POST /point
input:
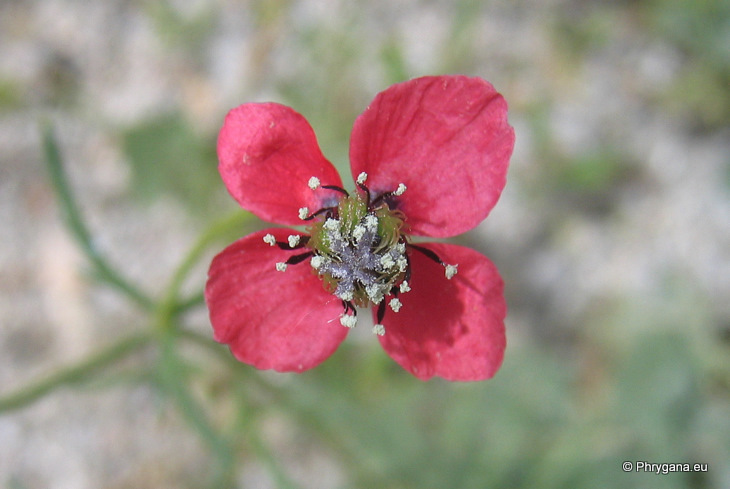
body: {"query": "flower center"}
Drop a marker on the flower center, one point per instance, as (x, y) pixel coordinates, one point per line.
(359, 250)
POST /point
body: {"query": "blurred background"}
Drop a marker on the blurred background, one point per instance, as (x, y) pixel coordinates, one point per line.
(612, 235)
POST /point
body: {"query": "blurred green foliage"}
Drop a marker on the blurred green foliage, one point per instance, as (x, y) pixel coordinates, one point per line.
(700, 29)
(185, 33)
(168, 157)
(10, 95)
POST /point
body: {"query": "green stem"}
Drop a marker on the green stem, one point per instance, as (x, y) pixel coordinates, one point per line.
(174, 382)
(171, 305)
(74, 373)
(282, 480)
(248, 421)
(78, 229)
(191, 302)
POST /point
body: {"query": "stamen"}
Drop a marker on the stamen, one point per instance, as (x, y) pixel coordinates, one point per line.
(366, 191)
(380, 314)
(387, 261)
(348, 320)
(331, 224)
(386, 195)
(281, 266)
(316, 262)
(379, 329)
(407, 276)
(313, 183)
(293, 260)
(337, 189)
(303, 213)
(375, 293)
(349, 307)
(325, 210)
(346, 295)
(294, 242)
(395, 304)
(431, 254)
(270, 240)
(361, 178)
(404, 287)
(450, 271)
(358, 232)
(371, 222)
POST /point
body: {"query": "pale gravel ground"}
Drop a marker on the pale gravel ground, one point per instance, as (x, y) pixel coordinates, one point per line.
(674, 221)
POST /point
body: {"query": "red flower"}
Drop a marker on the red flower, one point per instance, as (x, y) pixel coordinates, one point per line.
(430, 158)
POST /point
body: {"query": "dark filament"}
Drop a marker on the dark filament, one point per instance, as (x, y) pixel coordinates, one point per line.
(426, 252)
(381, 311)
(293, 260)
(321, 211)
(349, 306)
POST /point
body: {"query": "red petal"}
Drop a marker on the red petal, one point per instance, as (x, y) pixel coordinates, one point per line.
(267, 153)
(450, 328)
(447, 139)
(271, 319)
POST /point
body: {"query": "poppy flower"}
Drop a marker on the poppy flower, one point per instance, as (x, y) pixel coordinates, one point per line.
(429, 158)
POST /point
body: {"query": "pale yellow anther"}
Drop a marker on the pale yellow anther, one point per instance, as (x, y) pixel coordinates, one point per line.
(270, 239)
(281, 266)
(316, 262)
(294, 240)
(379, 329)
(346, 296)
(371, 222)
(362, 177)
(375, 293)
(303, 213)
(451, 271)
(313, 183)
(358, 232)
(331, 224)
(348, 320)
